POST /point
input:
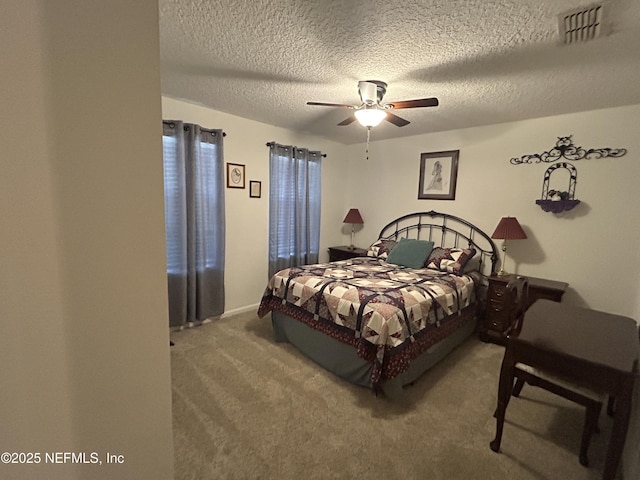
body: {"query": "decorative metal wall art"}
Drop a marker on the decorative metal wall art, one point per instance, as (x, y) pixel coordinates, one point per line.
(554, 200)
(565, 149)
(561, 201)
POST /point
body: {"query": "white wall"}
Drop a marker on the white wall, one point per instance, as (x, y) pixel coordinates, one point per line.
(85, 356)
(247, 219)
(594, 247)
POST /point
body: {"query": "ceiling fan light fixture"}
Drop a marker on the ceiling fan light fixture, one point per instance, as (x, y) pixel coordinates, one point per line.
(370, 117)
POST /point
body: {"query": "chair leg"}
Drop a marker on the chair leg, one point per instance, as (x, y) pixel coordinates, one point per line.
(591, 417)
(515, 391)
(504, 393)
(517, 388)
(506, 404)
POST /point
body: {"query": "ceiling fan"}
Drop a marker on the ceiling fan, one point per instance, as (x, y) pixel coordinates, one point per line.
(372, 110)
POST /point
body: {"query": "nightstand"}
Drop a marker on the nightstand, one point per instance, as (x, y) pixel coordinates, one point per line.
(498, 311)
(344, 253)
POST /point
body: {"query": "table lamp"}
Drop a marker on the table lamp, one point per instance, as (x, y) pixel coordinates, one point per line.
(353, 217)
(508, 229)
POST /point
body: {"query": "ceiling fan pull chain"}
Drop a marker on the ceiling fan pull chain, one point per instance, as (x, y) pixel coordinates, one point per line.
(368, 136)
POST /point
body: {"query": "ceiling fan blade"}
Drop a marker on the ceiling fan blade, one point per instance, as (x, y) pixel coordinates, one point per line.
(396, 120)
(323, 104)
(421, 102)
(347, 121)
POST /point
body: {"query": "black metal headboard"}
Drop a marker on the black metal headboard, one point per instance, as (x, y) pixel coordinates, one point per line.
(446, 231)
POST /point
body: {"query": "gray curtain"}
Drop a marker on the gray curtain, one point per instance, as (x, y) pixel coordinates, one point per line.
(294, 206)
(194, 221)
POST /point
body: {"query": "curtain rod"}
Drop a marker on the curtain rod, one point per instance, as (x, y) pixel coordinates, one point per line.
(269, 144)
(171, 123)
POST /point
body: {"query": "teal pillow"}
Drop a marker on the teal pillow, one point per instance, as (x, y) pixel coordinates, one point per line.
(410, 252)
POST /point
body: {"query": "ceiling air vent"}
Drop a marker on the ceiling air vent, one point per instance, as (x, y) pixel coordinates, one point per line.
(582, 24)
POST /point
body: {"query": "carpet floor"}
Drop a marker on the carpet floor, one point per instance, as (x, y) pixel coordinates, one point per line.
(245, 407)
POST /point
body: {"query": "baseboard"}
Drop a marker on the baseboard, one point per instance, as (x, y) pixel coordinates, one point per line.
(237, 311)
(230, 313)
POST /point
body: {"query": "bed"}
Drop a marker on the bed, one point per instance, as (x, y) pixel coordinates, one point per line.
(383, 320)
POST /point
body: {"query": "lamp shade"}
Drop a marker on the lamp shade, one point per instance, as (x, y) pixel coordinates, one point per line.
(353, 216)
(509, 229)
(370, 117)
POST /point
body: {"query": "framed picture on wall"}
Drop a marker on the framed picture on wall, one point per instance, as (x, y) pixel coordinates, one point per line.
(438, 175)
(255, 189)
(235, 175)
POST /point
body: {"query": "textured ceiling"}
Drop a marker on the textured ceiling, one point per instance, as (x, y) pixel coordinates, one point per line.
(486, 61)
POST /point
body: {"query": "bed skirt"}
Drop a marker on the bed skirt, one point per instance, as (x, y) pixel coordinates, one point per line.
(343, 360)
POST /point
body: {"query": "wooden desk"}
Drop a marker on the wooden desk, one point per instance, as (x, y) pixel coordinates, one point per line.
(595, 350)
(543, 288)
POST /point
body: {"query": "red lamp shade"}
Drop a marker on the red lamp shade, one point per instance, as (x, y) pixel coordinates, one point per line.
(509, 229)
(353, 216)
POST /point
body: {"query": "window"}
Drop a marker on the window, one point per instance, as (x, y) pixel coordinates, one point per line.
(294, 206)
(194, 221)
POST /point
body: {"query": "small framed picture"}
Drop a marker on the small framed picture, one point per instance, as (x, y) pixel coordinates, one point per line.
(255, 189)
(438, 175)
(235, 175)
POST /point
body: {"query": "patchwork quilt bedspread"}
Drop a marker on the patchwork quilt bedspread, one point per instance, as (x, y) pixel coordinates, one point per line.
(390, 313)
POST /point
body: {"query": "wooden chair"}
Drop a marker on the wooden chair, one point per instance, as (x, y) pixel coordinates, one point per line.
(589, 399)
(518, 292)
